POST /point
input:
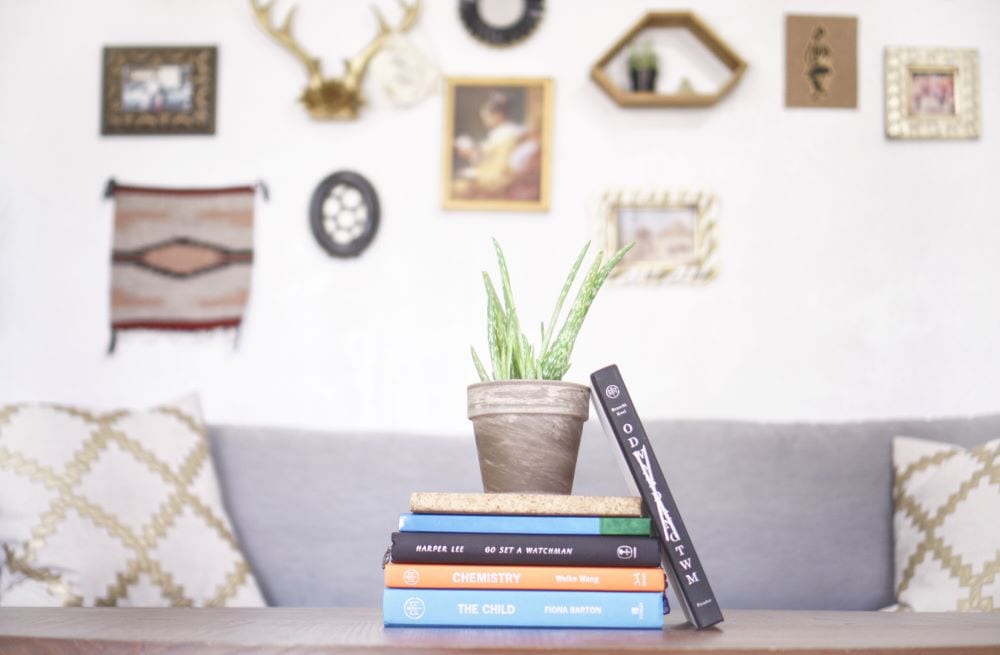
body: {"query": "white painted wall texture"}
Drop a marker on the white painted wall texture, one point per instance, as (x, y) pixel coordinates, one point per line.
(860, 277)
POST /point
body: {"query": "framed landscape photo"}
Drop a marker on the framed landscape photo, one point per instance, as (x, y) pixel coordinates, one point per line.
(159, 90)
(673, 233)
(932, 93)
(497, 143)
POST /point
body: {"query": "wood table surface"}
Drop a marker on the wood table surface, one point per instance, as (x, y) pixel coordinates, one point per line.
(339, 630)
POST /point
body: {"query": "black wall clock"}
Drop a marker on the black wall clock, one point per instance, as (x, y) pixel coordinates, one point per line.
(508, 34)
(344, 214)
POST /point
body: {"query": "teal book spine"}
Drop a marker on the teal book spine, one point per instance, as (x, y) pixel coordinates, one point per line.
(523, 609)
(506, 524)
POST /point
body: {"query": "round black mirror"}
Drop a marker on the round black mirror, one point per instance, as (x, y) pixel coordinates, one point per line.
(501, 22)
(344, 214)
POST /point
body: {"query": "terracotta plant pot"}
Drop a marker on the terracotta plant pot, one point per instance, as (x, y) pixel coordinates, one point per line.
(528, 433)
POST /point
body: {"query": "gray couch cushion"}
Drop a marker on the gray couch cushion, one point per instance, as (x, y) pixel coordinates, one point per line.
(314, 510)
(784, 515)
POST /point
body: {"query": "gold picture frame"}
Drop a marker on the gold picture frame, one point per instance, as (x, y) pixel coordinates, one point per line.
(674, 233)
(497, 143)
(932, 93)
(159, 90)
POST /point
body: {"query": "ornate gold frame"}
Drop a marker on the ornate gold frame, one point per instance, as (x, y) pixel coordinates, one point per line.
(200, 120)
(902, 63)
(701, 268)
(447, 199)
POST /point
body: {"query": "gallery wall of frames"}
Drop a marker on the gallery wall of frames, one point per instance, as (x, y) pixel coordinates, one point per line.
(290, 215)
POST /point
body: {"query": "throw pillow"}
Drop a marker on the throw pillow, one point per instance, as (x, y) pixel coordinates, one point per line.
(947, 525)
(120, 508)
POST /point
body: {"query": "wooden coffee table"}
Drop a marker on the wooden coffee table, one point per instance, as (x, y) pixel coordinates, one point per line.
(338, 630)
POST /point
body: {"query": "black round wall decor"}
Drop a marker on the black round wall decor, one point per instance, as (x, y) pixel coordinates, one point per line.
(344, 214)
(501, 35)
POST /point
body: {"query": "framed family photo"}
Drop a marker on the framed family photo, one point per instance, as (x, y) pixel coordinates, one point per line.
(673, 233)
(932, 93)
(159, 90)
(497, 143)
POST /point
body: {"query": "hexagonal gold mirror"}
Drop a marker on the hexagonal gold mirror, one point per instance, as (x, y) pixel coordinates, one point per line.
(714, 65)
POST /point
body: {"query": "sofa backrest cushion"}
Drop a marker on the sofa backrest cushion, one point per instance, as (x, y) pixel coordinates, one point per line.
(784, 516)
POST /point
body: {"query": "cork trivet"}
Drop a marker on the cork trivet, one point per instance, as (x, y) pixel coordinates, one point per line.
(425, 502)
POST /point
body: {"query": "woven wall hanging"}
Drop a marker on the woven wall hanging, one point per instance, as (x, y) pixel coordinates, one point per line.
(181, 258)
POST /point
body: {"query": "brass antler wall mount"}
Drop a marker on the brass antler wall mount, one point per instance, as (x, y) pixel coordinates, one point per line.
(332, 98)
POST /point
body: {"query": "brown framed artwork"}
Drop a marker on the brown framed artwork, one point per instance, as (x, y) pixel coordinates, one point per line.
(159, 90)
(497, 143)
(821, 61)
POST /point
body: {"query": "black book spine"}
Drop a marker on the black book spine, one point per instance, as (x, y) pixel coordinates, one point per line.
(540, 550)
(621, 423)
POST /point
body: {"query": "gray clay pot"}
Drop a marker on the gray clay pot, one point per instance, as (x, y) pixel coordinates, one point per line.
(528, 433)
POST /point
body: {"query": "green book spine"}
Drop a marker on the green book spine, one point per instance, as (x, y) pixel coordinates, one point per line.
(620, 525)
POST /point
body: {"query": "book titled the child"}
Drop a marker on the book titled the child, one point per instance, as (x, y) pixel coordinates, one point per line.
(533, 609)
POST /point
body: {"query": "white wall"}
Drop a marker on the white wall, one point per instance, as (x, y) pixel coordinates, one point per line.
(859, 276)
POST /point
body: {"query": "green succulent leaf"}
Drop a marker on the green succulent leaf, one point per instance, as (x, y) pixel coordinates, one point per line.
(528, 366)
(480, 369)
(511, 353)
(547, 333)
(615, 260)
(496, 324)
(508, 294)
(555, 361)
(510, 342)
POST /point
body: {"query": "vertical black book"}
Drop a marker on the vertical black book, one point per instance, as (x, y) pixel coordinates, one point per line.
(622, 424)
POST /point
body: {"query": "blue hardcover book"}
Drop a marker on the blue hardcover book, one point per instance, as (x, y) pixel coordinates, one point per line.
(508, 524)
(523, 609)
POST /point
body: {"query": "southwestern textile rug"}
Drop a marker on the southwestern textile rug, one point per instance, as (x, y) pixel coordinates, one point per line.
(181, 258)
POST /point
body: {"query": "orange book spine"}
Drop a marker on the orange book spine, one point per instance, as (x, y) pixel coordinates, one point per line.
(551, 578)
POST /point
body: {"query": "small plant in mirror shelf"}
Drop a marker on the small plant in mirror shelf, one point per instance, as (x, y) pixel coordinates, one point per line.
(511, 353)
(642, 67)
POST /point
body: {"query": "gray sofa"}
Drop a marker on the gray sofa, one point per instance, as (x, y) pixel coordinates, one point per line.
(784, 516)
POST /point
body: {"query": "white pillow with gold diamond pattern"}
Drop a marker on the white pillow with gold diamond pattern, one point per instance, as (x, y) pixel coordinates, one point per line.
(119, 508)
(947, 525)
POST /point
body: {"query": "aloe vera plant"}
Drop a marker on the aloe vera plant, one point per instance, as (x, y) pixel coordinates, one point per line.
(511, 353)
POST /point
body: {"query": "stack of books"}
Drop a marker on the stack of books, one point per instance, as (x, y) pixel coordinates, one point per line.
(521, 560)
(552, 560)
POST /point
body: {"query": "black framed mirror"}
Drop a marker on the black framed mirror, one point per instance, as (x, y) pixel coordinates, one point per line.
(344, 214)
(501, 22)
